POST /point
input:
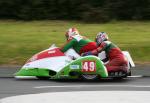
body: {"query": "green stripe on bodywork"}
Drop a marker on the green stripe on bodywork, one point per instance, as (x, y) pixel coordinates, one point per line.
(32, 72)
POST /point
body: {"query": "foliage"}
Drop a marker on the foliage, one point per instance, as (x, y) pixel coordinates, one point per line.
(84, 10)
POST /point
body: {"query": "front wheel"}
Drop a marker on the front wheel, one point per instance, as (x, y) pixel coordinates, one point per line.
(43, 78)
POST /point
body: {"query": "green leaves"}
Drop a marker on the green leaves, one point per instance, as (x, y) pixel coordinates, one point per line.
(84, 10)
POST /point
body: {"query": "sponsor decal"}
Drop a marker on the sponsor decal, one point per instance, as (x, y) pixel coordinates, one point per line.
(74, 66)
(51, 52)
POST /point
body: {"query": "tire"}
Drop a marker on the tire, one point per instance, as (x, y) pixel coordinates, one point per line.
(117, 78)
(118, 75)
(43, 78)
(129, 73)
(89, 76)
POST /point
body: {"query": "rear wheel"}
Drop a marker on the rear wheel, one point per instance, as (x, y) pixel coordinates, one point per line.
(117, 74)
(117, 78)
(129, 72)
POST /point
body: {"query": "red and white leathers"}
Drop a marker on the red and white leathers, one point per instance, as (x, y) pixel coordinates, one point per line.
(117, 60)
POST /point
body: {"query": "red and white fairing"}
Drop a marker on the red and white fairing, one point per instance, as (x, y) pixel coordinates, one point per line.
(51, 58)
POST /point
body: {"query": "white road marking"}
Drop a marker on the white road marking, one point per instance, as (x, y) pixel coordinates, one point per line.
(83, 86)
(82, 97)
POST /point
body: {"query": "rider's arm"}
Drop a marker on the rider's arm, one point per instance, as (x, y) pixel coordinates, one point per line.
(99, 49)
(69, 44)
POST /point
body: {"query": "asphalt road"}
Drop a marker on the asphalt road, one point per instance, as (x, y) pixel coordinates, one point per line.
(9, 86)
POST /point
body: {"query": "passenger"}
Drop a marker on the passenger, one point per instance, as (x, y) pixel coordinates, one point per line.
(79, 43)
(117, 60)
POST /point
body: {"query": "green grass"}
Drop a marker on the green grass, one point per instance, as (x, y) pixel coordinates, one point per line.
(19, 40)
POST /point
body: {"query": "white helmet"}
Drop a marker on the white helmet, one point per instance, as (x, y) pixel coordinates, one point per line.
(71, 32)
(100, 37)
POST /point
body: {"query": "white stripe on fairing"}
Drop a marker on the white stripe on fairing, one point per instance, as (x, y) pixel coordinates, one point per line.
(52, 63)
(135, 76)
(83, 86)
(25, 77)
(82, 97)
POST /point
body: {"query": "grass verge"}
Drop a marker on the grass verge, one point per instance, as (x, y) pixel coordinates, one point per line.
(19, 40)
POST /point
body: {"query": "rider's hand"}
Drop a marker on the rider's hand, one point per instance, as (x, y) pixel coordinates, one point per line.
(86, 54)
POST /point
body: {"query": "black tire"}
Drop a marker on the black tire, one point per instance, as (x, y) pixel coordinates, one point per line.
(43, 78)
(117, 78)
(89, 76)
(129, 73)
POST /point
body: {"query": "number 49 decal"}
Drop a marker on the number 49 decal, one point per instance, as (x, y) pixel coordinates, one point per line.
(88, 66)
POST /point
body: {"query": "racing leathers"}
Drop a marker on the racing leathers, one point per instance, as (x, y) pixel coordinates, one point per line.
(80, 44)
(117, 60)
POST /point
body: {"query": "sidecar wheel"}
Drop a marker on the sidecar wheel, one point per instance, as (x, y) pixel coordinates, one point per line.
(89, 76)
(43, 78)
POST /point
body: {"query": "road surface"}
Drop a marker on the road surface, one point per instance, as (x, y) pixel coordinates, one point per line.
(9, 86)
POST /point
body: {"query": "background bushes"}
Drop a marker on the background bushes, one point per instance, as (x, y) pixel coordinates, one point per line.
(84, 10)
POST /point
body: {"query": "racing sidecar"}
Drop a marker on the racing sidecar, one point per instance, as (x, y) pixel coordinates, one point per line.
(54, 64)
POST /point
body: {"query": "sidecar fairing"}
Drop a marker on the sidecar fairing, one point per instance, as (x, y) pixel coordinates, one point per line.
(52, 63)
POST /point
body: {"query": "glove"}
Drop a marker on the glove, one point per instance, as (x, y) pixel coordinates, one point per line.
(86, 53)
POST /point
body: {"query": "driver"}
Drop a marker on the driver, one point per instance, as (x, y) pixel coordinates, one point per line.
(117, 60)
(79, 43)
